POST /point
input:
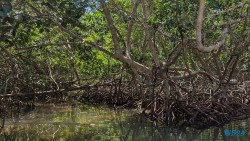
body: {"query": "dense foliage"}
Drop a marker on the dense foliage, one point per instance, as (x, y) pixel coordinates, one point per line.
(45, 43)
(185, 62)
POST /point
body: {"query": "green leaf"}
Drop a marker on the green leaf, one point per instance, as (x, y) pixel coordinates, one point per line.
(7, 7)
(8, 20)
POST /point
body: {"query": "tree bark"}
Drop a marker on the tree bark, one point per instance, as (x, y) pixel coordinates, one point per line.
(199, 23)
(111, 27)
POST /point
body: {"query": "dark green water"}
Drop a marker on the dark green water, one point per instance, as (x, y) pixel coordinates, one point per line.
(88, 123)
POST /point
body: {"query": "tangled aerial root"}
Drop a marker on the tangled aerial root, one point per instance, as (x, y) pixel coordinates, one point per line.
(194, 104)
(200, 108)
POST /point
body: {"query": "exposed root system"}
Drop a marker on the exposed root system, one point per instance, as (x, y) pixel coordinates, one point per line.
(199, 104)
(199, 108)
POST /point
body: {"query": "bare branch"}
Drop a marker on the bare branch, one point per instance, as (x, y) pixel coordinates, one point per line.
(111, 27)
(71, 60)
(199, 35)
(133, 64)
(147, 34)
(130, 25)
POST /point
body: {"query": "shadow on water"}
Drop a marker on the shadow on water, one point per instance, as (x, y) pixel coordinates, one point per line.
(80, 123)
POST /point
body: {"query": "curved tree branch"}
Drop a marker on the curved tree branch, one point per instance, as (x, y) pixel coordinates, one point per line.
(199, 28)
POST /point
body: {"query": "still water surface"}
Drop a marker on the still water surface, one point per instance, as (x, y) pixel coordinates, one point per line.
(89, 123)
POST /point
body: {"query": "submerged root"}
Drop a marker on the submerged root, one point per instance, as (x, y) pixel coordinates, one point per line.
(198, 108)
(190, 104)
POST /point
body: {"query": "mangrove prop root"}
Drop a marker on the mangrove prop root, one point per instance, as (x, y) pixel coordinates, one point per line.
(198, 108)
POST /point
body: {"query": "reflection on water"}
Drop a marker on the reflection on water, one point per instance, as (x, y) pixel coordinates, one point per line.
(87, 123)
